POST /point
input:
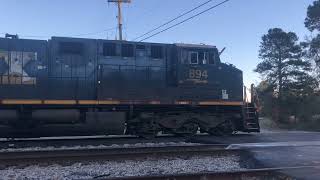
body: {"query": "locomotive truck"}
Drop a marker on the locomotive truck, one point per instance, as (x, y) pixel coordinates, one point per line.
(75, 86)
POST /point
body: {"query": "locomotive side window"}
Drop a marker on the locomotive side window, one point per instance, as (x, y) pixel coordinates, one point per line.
(212, 57)
(141, 47)
(193, 58)
(197, 57)
(141, 50)
(203, 58)
(184, 57)
(109, 49)
(74, 48)
(127, 50)
(156, 52)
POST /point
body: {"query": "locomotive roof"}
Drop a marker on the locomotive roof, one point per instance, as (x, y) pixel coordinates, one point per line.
(195, 45)
(185, 45)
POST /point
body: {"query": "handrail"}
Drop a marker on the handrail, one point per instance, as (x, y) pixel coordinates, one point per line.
(244, 94)
(255, 98)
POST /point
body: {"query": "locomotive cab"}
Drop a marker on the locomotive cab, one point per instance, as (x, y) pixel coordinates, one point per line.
(200, 70)
(194, 63)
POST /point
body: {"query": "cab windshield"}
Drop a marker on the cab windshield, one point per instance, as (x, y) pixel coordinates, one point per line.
(199, 57)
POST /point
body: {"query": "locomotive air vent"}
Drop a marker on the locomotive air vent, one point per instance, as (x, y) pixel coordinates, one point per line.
(71, 48)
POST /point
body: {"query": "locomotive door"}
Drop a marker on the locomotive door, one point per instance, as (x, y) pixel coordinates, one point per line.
(72, 69)
(197, 74)
(141, 55)
(192, 67)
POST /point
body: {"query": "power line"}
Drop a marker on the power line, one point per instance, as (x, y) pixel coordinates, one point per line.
(168, 22)
(181, 22)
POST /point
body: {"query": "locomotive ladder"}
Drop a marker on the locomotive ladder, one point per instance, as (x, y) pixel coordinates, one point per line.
(251, 118)
(250, 112)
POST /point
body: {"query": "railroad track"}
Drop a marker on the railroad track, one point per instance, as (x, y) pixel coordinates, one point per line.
(90, 140)
(280, 173)
(97, 154)
(26, 158)
(86, 141)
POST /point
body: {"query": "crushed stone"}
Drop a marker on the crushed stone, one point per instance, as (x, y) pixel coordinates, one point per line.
(125, 168)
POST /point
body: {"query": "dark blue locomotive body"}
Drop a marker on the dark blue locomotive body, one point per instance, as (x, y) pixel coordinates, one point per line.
(71, 86)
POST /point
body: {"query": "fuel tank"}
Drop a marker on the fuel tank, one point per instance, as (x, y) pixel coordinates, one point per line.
(56, 122)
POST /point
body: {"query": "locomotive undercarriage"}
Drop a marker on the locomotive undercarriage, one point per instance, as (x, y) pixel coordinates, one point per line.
(183, 123)
(145, 121)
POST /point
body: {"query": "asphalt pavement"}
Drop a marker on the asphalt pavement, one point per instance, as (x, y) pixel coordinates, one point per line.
(278, 149)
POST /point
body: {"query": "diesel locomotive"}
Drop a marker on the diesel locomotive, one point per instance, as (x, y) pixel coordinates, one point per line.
(76, 86)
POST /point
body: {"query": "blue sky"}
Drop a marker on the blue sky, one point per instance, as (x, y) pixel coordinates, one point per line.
(237, 25)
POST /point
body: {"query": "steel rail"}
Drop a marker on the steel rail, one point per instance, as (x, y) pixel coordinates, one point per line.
(87, 140)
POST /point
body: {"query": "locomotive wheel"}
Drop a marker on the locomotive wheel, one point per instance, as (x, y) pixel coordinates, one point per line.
(192, 128)
(188, 129)
(147, 136)
(223, 129)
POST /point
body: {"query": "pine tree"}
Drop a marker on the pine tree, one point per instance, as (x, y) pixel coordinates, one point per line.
(312, 22)
(283, 66)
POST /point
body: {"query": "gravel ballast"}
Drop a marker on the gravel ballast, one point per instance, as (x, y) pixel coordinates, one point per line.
(150, 166)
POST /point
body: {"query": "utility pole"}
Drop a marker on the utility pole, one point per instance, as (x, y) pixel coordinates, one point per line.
(119, 2)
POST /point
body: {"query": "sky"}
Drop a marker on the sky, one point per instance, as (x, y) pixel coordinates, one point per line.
(237, 25)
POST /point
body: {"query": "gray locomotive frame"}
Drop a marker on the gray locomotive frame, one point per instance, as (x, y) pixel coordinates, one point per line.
(122, 71)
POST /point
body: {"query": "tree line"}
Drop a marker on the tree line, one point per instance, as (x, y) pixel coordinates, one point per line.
(290, 72)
